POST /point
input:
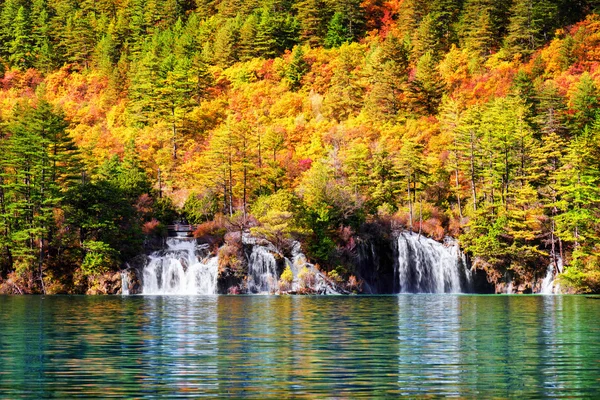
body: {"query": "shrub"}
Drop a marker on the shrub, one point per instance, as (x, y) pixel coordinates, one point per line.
(335, 277)
(213, 231)
(307, 278)
(353, 284)
(99, 258)
(230, 259)
(286, 279)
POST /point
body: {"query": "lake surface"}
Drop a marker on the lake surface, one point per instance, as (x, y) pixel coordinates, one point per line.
(303, 347)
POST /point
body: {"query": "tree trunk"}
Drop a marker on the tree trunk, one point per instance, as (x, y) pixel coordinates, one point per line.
(174, 129)
(410, 210)
(41, 264)
(420, 214)
(472, 160)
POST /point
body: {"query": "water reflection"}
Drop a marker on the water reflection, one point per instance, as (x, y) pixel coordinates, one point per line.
(262, 346)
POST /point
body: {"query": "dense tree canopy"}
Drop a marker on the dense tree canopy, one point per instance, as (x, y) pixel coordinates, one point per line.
(310, 119)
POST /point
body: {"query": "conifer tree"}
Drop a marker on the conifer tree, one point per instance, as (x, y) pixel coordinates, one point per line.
(37, 172)
(427, 86)
(40, 34)
(224, 51)
(345, 97)
(21, 47)
(337, 33)
(483, 24)
(265, 44)
(579, 194)
(297, 68)
(521, 29)
(388, 74)
(77, 39)
(353, 16)
(145, 75)
(412, 167)
(247, 38)
(10, 9)
(584, 102)
(175, 88)
(313, 25)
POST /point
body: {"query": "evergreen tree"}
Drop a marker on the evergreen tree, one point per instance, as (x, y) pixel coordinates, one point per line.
(427, 86)
(297, 68)
(384, 180)
(145, 74)
(175, 88)
(411, 166)
(345, 97)
(483, 25)
(21, 47)
(77, 40)
(521, 30)
(40, 34)
(388, 74)
(10, 9)
(37, 170)
(337, 33)
(353, 16)
(313, 25)
(579, 194)
(584, 102)
(225, 52)
(265, 44)
(105, 54)
(410, 16)
(247, 38)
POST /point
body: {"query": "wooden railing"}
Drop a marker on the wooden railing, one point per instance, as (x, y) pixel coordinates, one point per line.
(181, 228)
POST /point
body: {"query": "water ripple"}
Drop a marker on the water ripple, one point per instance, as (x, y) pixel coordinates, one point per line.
(301, 347)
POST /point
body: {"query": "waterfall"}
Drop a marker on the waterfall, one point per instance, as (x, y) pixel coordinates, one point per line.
(177, 270)
(125, 283)
(262, 271)
(548, 286)
(427, 266)
(321, 284)
(509, 286)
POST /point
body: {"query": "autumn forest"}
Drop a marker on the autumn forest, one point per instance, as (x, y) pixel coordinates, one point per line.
(327, 122)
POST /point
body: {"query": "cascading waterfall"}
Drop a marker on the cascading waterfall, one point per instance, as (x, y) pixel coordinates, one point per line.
(177, 270)
(548, 285)
(427, 266)
(321, 284)
(262, 271)
(125, 283)
(509, 286)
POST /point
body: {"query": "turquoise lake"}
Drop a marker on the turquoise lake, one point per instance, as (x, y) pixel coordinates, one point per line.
(302, 347)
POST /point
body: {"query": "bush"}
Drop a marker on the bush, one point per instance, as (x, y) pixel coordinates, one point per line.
(581, 280)
(286, 279)
(353, 284)
(307, 278)
(212, 232)
(335, 277)
(99, 258)
(230, 260)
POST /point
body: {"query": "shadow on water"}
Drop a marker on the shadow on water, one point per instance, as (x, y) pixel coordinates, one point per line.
(264, 346)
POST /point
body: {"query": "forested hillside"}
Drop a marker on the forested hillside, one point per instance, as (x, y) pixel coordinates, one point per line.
(316, 120)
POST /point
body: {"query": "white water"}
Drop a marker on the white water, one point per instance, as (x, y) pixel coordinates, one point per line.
(320, 283)
(509, 286)
(125, 283)
(262, 271)
(178, 270)
(427, 266)
(548, 284)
